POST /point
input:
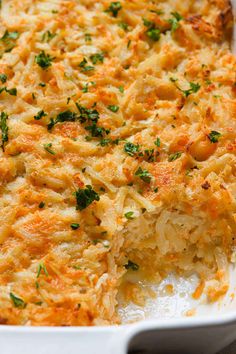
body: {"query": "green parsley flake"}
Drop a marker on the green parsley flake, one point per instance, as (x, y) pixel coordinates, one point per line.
(84, 67)
(158, 142)
(144, 175)
(74, 226)
(41, 205)
(43, 60)
(113, 108)
(9, 36)
(114, 8)
(40, 115)
(8, 39)
(17, 301)
(193, 89)
(48, 36)
(88, 37)
(85, 197)
(132, 266)
(174, 156)
(12, 92)
(129, 215)
(41, 267)
(174, 22)
(97, 131)
(124, 26)
(105, 142)
(121, 89)
(131, 149)
(157, 12)
(154, 34)
(3, 78)
(214, 136)
(96, 58)
(87, 115)
(4, 128)
(47, 147)
(66, 116)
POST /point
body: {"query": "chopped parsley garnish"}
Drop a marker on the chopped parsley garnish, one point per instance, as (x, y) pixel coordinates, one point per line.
(85, 88)
(43, 60)
(91, 116)
(208, 82)
(84, 67)
(158, 142)
(129, 215)
(47, 147)
(85, 197)
(144, 175)
(37, 285)
(152, 32)
(158, 12)
(3, 78)
(174, 156)
(96, 58)
(131, 149)
(114, 8)
(147, 23)
(96, 131)
(66, 116)
(131, 265)
(74, 226)
(48, 36)
(40, 115)
(87, 114)
(9, 36)
(4, 128)
(41, 205)
(175, 21)
(9, 39)
(113, 108)
(17, 301)
(38, 303)
(149, 155)
(193, 89)
(105, 142)
(214, 136)
(42, 84)
(105, 243)
(121, 89)
(12, 92)
(42, 267)
(88, 37)
(124, 26)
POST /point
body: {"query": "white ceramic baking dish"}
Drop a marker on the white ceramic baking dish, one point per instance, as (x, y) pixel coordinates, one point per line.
(164, 327)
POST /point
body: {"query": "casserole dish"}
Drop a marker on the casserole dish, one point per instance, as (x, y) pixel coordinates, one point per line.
(212, 328)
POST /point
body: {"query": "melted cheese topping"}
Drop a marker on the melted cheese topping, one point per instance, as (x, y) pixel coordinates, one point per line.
(135, 99)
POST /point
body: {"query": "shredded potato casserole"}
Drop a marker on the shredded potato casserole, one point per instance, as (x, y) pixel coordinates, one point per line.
(117, 158)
